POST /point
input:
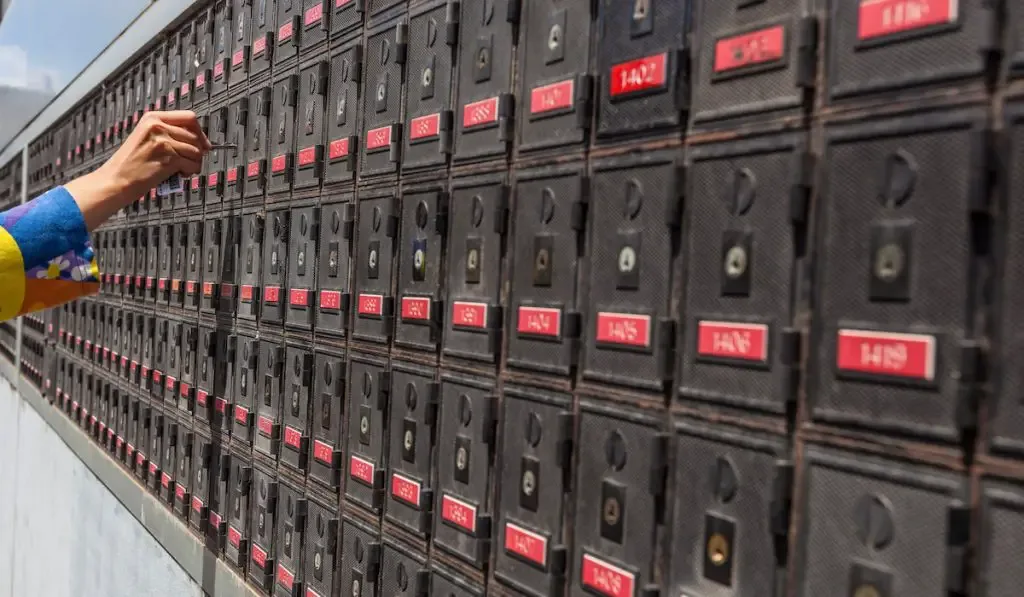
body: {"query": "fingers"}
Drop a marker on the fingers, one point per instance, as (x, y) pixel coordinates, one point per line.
(184, 119)
(183, 149)
(184, 135)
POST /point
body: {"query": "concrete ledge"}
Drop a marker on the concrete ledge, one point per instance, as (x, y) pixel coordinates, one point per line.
(215, 577)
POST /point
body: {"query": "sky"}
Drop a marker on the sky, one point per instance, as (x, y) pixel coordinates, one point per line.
(44, 44)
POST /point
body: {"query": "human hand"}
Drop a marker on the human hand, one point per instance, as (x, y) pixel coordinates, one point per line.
(162, 144)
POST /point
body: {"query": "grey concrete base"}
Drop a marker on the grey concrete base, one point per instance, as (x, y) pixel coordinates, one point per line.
(213, 575)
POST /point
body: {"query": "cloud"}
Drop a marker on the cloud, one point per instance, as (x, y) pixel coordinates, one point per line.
(15, 71)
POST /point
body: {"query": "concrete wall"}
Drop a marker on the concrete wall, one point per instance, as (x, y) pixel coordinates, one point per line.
(62, 532)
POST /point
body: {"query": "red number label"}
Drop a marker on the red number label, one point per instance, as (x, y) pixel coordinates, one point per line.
(624, 329)
(886, 354)
(757, 47)
(479, 113)
(643, 74)
(556, 96)
(739, 341)
(879, 18)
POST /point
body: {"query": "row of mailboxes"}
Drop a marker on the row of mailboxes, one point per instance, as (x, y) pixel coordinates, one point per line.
(687, 265)
(487, 478)
(411, 85)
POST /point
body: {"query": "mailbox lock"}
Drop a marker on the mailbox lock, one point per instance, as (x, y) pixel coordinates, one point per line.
(408, 440)
(317, 561)
(611, 511)
(356, 589)
(735, 262)
(461, 458)
(529, 482)
(866, 591)
(542, 260)
(428, 77)
(555, 37)
(718, 549)
(627, 259)
(889, 262)
(364, 425)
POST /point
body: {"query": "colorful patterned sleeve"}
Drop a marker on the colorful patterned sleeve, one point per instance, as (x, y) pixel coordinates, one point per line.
(46, 257)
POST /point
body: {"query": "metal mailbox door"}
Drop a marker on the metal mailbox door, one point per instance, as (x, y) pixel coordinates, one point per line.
(747, 203)
(485, 110)
(536, 458)
(386, 54)
(275, 267)
(628, 333)
(342, 114)
(328, 402)
(556, 87)
(642, 65)
(548, 226)
(412, 420)
(374, 267)
(894, 355)
(473, 321)
(875, 526)
(433, 33)
(282, 131)
(302, 241)
(334, 294)
(309, 161)
(465, 459)
(424, 225)
(257, 144)
(367, 410)
(615, 533)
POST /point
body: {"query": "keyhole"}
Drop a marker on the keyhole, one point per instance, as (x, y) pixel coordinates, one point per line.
(889, 262)
(735, 262)
(640, 10)
(555, 37)
(542, 260)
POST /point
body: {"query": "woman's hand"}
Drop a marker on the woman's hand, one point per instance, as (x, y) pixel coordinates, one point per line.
(162, 144)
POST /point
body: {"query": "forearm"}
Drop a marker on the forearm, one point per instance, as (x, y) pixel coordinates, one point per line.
(46, 257)
(100, 195)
